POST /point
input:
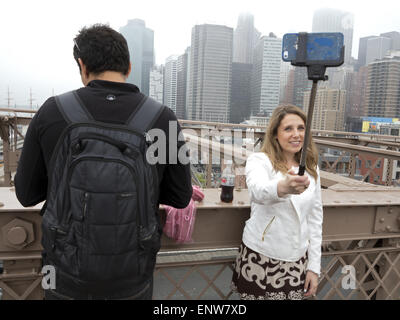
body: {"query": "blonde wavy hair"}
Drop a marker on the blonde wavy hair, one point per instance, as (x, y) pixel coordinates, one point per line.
(273, 149)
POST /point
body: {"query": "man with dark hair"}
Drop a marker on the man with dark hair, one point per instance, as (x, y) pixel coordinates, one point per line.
(96, 245)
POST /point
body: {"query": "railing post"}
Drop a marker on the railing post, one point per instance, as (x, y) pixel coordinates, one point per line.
(5, 136)
(352, 165)
(389, 170)
(209, 164)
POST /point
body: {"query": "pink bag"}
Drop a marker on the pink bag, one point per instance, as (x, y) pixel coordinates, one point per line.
(180, 222)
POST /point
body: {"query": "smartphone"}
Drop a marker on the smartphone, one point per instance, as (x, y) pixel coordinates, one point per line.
(320, 48)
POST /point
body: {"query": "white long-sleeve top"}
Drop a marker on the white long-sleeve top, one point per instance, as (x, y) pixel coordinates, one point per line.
(282, 228)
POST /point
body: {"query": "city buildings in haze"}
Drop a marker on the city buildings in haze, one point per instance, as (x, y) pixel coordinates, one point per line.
(182, 83)
(265, 82)
(141, 50)
(156, 84)
(245, 38)
(240, 92)
(329, 109)
(382, 98)
(377, 48)
(332, 20)
(208, 97)
(170, 82)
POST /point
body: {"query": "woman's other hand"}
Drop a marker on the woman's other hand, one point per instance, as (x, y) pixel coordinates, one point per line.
(311, 284)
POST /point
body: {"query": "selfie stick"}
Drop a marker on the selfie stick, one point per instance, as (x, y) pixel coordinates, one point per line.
(316, 72)
(303, 157)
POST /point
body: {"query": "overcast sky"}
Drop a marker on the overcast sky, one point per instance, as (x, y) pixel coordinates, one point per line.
(36, 36)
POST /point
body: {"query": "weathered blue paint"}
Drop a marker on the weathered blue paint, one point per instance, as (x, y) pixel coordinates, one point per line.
(320, 46)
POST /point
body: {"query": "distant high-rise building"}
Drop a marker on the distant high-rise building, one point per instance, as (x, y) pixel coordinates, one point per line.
(170, 82)
(240, 92)
(332, 20)
(355, 97)
(329, 109)
(244, 39)
(156, 84)
(284, 78)
(362, 51)
(382, 93)
(395, 37)
(289, 88)
(301, 84)
(141, 50)
(210, 73)
(337, 77)
(181, 87)
(377, 48)
(265, 83)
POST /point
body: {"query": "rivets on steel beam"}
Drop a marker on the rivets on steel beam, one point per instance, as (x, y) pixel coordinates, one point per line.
(388, 228)
(382, 220)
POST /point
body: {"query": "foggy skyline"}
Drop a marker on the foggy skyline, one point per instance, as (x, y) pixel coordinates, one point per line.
(36, 47)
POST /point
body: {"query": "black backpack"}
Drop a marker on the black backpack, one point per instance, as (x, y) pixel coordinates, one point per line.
(100, 227)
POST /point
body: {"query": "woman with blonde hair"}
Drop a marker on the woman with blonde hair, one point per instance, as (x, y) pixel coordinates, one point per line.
(280, 254)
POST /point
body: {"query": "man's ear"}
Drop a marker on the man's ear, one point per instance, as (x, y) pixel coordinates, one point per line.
(129, 70)
(84, 71)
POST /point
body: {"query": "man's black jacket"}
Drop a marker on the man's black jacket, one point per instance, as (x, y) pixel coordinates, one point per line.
(32, 175)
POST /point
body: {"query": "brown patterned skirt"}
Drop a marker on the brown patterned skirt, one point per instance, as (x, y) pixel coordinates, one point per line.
(257, 277)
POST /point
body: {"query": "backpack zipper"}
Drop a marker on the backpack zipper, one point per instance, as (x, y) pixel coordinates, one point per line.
(58, 230)
(55, 230)
(85, 204)
(77, 161)
(126, 195)
(88, 124)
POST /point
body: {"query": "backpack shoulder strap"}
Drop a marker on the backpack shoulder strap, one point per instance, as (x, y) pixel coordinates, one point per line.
(146, 115)
(72, 108)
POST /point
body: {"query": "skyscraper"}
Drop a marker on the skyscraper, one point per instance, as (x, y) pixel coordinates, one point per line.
(181, 87)
(170, 82)
(156, 84)
(395, 37)
(377, 48)
(285, 71)
(265, 83)
(383, 83)
(301, 84)
(210, 73)
(244, 39)
(240, 93)
(141, 50)
(329, 109)
(332, 20)
(289, 88)
(362, 51)
(355, 97)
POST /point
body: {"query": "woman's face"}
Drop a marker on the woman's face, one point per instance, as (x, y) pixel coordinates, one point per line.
(290, 135)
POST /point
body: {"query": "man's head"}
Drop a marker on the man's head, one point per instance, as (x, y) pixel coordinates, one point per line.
(98, 49)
